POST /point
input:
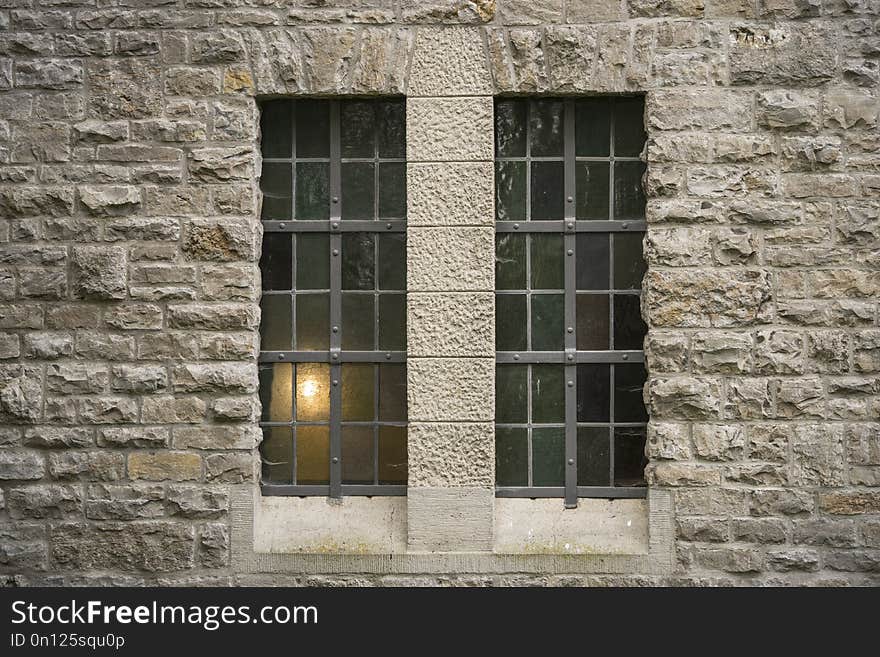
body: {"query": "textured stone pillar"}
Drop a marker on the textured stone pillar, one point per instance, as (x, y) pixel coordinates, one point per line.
(451, 257)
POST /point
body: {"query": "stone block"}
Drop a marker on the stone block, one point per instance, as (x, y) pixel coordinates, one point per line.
(161, 466)
(99, 272)
(449, 129)
(784, 54)
(450, 324)
(451, 389)
(450, 259)
(450, 519)
(451, 455)
(449, 62)
(21, 465)
(450, 194)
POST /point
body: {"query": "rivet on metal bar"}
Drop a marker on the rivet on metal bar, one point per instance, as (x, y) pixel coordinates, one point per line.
(516, 226)
(336, 252)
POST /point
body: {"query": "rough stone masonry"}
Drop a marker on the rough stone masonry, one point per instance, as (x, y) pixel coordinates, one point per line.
(129, 284)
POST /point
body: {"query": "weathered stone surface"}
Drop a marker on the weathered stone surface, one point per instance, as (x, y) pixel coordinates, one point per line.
(124, 501)
(453, 324)
(718, 442)
(160, 466)
(803, 53)
(110, 201)
(450, 259)
(451, 455)
(43, 501)
(90, 466)
(785, 109)
(432, 74)
(449, 390)
(99, 272)
(692, 110)
(449, 129)
(21, 465)
(684, 397)
(124, 89)
(192, 502)
(459, 194)
(219, 239)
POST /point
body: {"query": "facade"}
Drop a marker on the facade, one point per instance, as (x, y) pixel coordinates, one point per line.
(132, 222)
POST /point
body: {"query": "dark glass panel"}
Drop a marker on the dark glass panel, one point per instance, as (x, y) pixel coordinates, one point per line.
(548, 262)
(392, 322)
(312, 455)
(592, 127)
(546, 128)
(510, 191)
(592, 322)
(312, 322)
(358, 190)
(358, 321)
(275, 333)
(391, 116)
(593, 456)
(629, 126)
(312, 128)
(357, 129)
(275, 128)
(548, 394)
(312, 261)
(548, 456)
(312, 392)
(629, 405)
(548, 190)
(392, 455)
(276, 184)
(276, 262)
(592, 180)
(629, 327)
(629, 456)
(312, 191)
(510, 322)
(510, 128)
(357, 455)
(358, 392)
(629, 197)
(593, 393)
(510, 261)
(276, 455)
(511, 457)
(276, 392)
(392, 190)
(592, 262)
(511, 394)
(358, 261)
(392, 261)
(629, 263)
(548, 319)
(392, 393)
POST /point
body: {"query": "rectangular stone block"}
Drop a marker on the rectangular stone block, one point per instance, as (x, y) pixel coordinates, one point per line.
(448, 455)
(449, 62)
(450, 519)
(449, 129)
(450, 259)
(451, 389)
(450, 324)
(450, 194)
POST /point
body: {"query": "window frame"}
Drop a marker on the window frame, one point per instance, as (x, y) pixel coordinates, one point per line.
(335, 226)
(570, 227)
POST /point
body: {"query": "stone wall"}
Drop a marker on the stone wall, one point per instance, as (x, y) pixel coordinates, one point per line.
(130, 238)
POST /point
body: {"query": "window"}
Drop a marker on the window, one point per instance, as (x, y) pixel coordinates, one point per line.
(570, 420)
(333, 329)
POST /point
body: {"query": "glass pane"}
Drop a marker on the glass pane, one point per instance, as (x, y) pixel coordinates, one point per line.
(592, 322)
(548, 393)
(358, 392)
(510, 322)
(593, 456)
(510, 191)
(392, 190)
(629, 126)
(357, 129)
(592, 190)
(275, 128)
(510, 128)
(357, 455)
(593, 393)
(629, 263)
(312, 128)
(548, 262)
(276, 392)
(510, 261)
(548, 318)
(275, 319)
(312, 191)
(511, 457)
(511, 394)
(628, 383)
(392, 261)
(392, 393)
(312, 261)
(592, 261)
(276, 262)
(392, 128)
(276, 455)
(392, 455)
(392, 322)
(312, 322)
(548, 190)
(358, 321)
(629, 456)
(546, 128)
(592, 127)
(358, 261)
(312, 392)
(358, 191)
(548, 456)
(312, 455)
(629, 328)
(276, 184)
(629, 199)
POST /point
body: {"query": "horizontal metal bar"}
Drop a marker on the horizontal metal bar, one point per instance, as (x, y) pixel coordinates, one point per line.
(333, 226)
(327, 357)
(346, 423)
(560, 158)
(522, 357)
(302, 293)
(558, 425)
(381, 490)
(633, 293)
(582, 491)
(344, 160)
(580, 226)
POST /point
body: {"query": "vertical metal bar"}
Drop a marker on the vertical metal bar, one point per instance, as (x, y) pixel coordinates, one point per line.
(335, 305)
(611, 212)
(570, 273)
(294, 243)
(529, 460)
